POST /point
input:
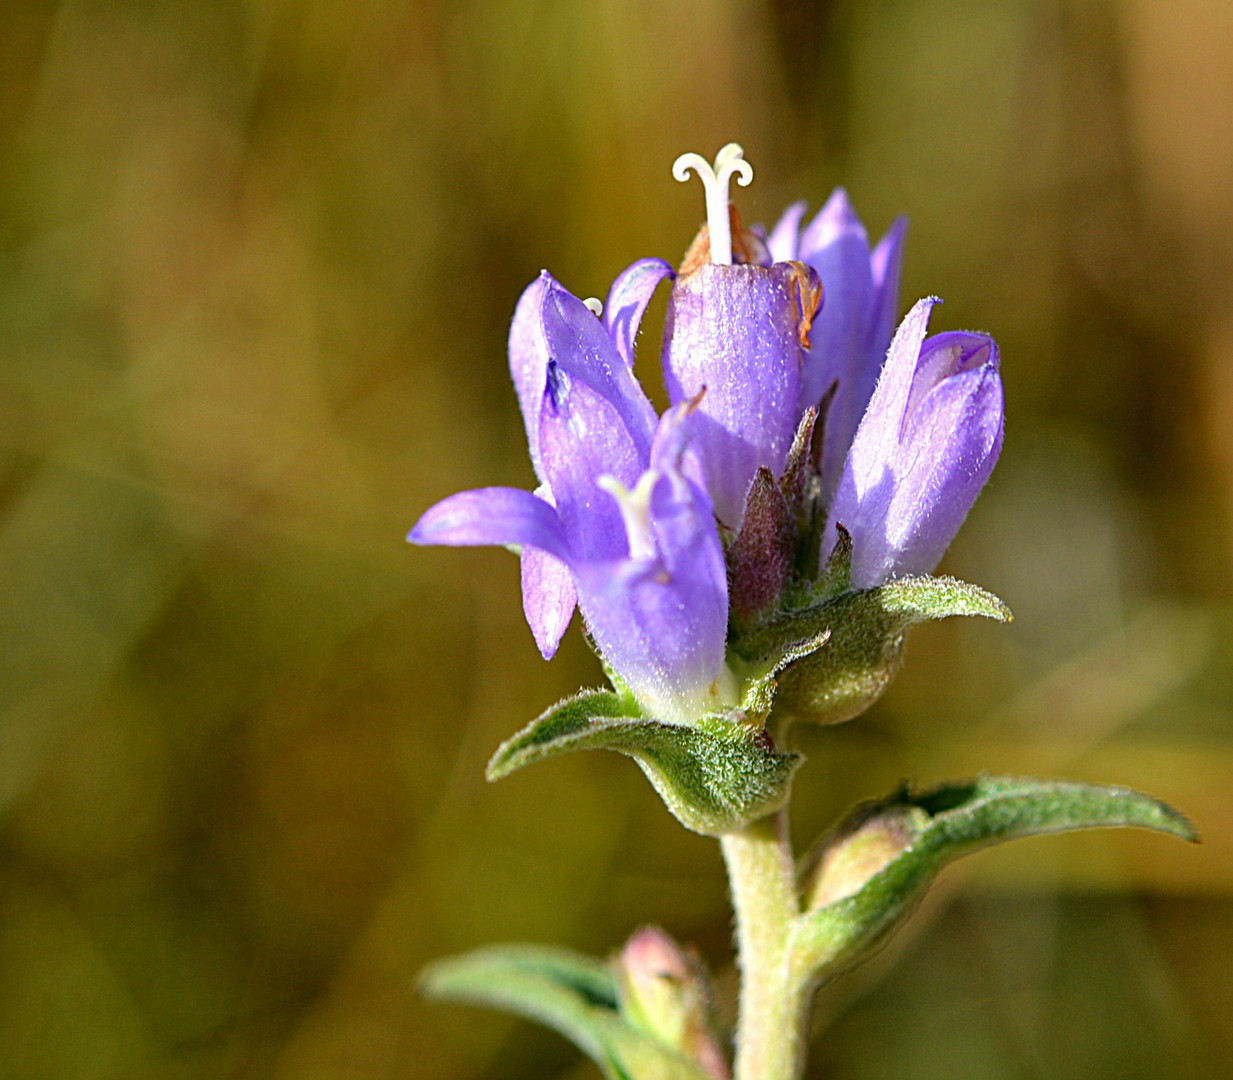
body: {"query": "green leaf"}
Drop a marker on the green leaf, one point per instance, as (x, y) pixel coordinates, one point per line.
(876, 866)
(867, 628)
(714, 777)
(570, 993)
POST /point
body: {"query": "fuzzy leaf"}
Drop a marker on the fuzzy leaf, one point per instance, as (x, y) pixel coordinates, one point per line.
(714, 777)
(867, 629)
(912, 836)
(570, 993)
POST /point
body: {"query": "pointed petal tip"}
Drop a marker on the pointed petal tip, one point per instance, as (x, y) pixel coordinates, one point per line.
(836, 223)
(783, 239)
(995, 354)
(548, 638)
(897, 228)
(423, 531)
(888, 252)
(547, 647)
(918, 316)
(627, 302)
(791, 216)
(839, 212)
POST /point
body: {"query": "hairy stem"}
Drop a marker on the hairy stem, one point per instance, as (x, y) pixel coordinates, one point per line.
(770, 1039)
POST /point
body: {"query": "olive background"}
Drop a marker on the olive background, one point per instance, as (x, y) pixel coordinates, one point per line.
(257, 263)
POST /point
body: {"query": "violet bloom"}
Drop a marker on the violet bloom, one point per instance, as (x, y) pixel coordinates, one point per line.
(741, 333)
(924, 449)
(851, 333)
(621, 521)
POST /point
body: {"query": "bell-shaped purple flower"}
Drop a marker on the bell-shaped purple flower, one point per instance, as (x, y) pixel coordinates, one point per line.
(621, 521)
(925, 447)
(548, 595)
(852, 331)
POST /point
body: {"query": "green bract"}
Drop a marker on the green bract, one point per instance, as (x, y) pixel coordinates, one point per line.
(865, 646)
(714, 777)
(856, 888)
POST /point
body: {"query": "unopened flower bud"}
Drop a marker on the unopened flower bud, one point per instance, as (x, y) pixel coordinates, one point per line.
(859, 851)
(665, 995)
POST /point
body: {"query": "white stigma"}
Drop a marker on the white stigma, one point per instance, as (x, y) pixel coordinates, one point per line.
(636, 510)
(596, 305)
(715, 180)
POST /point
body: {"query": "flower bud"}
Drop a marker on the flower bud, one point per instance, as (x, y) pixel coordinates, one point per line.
(860, 850)
(665, 994)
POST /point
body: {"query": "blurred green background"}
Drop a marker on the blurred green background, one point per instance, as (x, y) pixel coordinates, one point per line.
(257, 262)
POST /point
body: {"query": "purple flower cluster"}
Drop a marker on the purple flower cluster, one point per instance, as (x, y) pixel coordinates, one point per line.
(626, 521)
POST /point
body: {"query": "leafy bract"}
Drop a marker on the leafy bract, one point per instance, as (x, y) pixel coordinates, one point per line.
(863, 652)
(715, 776)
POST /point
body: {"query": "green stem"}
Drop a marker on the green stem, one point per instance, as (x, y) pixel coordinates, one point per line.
(770, 1036)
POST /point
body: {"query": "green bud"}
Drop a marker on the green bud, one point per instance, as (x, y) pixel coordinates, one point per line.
(860, 850)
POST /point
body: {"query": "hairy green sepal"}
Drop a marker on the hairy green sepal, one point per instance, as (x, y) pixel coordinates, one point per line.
(867, 877)
(715, 776)
(570, 993)
(866, 631)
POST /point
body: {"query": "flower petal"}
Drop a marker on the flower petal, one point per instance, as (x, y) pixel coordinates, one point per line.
(782, 242)
(836, 219)
(943, 356)
(951, 447)
(877, 438)
(583, 350)
(627, 301)
(735, 331)
(495, 515)
(922, 453)
(528, 358)
(583, 437)
(836, 245)
(548, 598)
(886, 265)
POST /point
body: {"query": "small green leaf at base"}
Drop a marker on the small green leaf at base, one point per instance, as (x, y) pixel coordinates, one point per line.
(714, 777)
(872, 870)
(570, 993)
